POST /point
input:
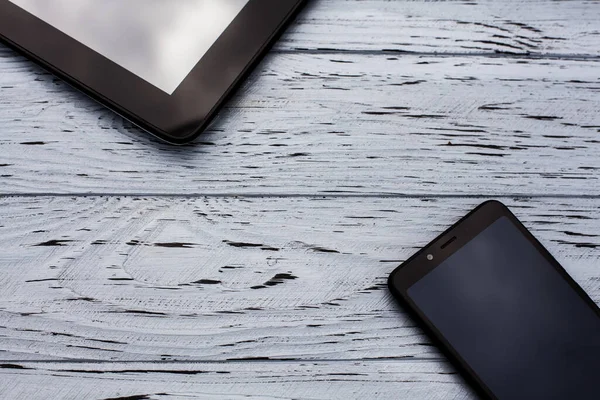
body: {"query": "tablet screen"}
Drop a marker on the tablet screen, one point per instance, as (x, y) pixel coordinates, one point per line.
(161, 41)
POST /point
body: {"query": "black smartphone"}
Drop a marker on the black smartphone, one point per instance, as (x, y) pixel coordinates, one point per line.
(503, 309)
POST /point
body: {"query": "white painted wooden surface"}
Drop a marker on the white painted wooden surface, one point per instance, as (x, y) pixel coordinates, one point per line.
(371, 124)
(253, 264)
(236, 380)
(223, 278)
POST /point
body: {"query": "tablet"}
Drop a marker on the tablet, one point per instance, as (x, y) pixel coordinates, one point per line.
(166, 65)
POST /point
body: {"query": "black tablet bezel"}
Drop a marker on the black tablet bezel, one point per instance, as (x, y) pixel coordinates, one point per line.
(177, 118)
(448, 243)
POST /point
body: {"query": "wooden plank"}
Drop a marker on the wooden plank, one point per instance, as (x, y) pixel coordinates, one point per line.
(248, 380)
(541, 27)
(224, 279)
(307, 124)
(517, 26)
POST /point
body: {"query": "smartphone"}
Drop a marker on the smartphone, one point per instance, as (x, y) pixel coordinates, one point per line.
(503, 309)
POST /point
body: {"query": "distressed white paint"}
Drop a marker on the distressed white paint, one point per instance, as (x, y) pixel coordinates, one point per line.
(224, 278)
(333, 119)
(396, 379)
(511, 26)
(319, 124)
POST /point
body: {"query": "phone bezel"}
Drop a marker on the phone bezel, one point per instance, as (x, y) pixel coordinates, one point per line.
(176, 118)
(417, 266)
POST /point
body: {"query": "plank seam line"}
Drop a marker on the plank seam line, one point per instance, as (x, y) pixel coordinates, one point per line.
(490, 54)
(304, 196)
(392, 52)
(249, 361)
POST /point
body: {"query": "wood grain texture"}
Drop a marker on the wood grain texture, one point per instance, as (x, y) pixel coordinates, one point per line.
(225, 279)
(513, 27)
(321, 124)
(280, 380)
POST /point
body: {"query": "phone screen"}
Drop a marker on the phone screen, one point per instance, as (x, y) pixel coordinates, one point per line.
(512, 317)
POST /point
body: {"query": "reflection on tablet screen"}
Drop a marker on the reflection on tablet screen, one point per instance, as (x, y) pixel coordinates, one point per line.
(160, 41)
